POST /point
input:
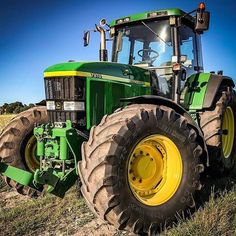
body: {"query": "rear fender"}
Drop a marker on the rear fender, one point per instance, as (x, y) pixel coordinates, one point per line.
(201, 90)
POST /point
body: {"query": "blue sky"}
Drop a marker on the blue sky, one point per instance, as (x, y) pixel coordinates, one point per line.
(37, 34)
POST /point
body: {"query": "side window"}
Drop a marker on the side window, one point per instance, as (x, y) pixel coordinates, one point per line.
(123, 56)
(188, 48)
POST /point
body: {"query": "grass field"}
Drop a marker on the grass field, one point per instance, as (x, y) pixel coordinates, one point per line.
(4, 119)
(215, 213)
(70, 216)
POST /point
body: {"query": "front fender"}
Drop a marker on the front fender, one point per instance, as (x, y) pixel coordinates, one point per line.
(157, 100)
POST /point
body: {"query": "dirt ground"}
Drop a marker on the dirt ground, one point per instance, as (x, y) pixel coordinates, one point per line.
(85, 224)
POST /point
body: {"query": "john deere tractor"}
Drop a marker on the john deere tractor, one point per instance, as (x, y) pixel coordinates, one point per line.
(137, 131)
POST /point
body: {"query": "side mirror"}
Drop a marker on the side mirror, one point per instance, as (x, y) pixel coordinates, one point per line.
(103, 22)
(202, 19)
(86, 38)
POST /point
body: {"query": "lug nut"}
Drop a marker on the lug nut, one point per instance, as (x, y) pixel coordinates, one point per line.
(225, 132)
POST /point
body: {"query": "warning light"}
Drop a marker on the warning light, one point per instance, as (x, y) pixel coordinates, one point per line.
(202, 6)
(176, 67)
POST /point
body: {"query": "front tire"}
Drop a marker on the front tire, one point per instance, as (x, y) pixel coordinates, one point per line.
(121, 183)
(17, 145)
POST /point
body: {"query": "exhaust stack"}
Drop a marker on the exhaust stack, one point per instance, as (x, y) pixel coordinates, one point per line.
(103, 51)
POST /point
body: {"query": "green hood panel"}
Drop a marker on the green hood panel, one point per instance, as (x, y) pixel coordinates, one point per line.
(105, 68)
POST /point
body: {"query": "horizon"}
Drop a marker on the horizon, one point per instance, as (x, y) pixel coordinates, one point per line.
(40, 34)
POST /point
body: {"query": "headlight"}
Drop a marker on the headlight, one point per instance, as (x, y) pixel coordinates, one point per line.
(50, 105)
(74, 106)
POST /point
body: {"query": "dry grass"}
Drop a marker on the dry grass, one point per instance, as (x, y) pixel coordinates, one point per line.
(50, 215)
(4, 119)
(217, 217)
(47, 215)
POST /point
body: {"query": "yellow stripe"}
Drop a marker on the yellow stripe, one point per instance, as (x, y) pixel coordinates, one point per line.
(93, 75)
(66, 73)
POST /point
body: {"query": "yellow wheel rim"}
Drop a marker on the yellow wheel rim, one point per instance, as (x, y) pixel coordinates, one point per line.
(30, 154)
(228, 132)
(155, 170)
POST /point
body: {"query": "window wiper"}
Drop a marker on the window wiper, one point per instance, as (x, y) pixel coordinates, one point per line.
(169, 45)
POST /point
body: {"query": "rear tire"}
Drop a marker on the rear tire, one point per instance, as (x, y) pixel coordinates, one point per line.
(17, 144)
(220, 142)
(104, 169)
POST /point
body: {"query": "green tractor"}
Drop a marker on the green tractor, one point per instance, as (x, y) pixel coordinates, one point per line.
(138, 132)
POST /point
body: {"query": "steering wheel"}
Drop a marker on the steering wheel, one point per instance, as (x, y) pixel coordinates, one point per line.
(146, 54)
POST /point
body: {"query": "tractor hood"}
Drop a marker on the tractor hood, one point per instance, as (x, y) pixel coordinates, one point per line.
(98, 70)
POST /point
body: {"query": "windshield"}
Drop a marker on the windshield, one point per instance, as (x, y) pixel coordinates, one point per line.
(146, 44)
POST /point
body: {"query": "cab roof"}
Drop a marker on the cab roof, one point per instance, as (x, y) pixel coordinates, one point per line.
(147, 15)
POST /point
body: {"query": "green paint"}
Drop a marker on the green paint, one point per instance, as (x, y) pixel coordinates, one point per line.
(88, 108)
(196, 89)
(52, 148)
(103, 97)
(57, 163)
(21, 176)
(103, 68)
(63, 148)
(40, 148)
(144, 15)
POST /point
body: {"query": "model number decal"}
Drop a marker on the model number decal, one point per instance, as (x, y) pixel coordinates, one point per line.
(98, 76)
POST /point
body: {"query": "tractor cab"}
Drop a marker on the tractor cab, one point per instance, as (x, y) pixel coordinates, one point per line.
(165, 42)
(155, 45)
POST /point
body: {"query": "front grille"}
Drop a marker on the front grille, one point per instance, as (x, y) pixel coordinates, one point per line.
(61, 89)
(65, 88)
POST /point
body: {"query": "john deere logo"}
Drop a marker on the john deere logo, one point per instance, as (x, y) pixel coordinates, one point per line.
(58, 105)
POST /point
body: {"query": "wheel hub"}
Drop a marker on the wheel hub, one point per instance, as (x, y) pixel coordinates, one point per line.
(146, 167)
(150, 179)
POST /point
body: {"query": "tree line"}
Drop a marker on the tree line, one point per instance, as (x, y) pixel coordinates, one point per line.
(14, 108)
